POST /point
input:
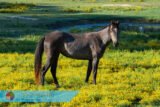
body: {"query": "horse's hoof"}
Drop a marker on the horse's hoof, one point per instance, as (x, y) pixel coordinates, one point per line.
(57, 86)
(86, 81)
(42, 84)
(94, 83)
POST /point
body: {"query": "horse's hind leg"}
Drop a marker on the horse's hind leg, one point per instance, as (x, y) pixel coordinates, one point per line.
(89, 70)
(53, 68)
(45, 68)
(48, 63)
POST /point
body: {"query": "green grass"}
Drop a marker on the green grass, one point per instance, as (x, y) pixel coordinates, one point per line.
(18, 18)
(127, 75)
(35, 17)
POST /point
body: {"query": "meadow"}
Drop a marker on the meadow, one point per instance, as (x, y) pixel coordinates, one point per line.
(127, 76)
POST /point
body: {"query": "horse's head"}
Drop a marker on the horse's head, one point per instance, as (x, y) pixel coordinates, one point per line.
(114, 32)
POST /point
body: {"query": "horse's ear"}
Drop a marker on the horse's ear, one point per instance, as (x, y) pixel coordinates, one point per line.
(112, 22)
(117, 22)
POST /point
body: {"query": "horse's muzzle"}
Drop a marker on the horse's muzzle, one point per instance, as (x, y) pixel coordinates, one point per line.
(116, 44)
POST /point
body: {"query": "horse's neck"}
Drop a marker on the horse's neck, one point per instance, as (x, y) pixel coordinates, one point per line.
(104, 35)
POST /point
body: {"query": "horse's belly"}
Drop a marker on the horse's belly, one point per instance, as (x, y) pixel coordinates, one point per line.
(81, 55)
(77, 53)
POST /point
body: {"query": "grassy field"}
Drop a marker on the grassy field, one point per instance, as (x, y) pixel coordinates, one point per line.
(39, 17)
(124, 79)
(127, 76)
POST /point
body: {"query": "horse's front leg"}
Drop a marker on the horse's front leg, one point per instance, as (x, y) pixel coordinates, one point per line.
(88, 70)
(95, 62)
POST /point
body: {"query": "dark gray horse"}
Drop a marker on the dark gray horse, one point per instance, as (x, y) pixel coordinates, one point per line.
(88, 46)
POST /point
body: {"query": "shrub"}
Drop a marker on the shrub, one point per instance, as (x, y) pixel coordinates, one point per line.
(14, 8)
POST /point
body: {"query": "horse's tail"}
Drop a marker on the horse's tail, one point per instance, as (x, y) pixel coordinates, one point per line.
(38, 60)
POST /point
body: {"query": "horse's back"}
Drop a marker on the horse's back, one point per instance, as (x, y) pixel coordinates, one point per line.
(70, 45)
(53, 36)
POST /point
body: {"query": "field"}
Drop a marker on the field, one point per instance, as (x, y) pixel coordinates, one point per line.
(127, 76)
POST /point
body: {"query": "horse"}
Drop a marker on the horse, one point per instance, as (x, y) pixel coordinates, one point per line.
(86, 46)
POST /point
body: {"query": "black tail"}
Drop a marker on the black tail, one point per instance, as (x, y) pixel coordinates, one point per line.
(38, 60)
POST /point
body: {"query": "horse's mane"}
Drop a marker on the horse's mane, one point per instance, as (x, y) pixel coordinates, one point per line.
(104, 27)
